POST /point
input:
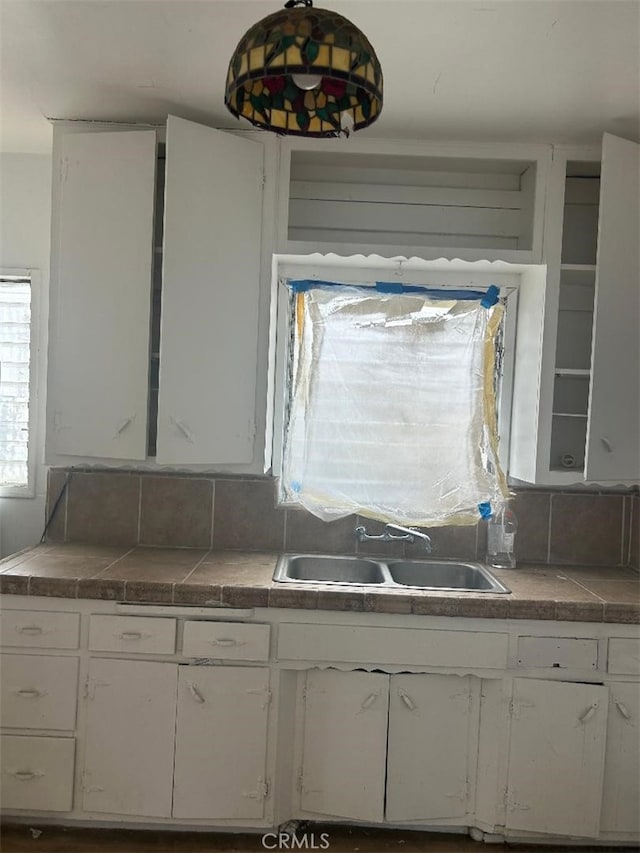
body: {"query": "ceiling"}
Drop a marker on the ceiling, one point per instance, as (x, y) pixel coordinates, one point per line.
(527, 70)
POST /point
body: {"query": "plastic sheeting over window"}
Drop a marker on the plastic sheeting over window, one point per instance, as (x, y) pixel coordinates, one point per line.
(392, 405)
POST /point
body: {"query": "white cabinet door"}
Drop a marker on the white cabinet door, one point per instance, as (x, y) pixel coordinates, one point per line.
(100, 295)
(430, 731)
(613, 434)
(38, 692)
(556, 757)
(128, 767)
(210, 292)
(37, 773)
(344, 744)
(221, 742)
(620, 811)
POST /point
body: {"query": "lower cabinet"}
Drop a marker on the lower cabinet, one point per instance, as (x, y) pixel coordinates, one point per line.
(376, 746)
(167, 740)
(556, 757)
(131, 718)
(221, 742)
(620, 809)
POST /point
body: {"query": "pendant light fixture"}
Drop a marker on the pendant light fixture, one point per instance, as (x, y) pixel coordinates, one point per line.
(305, 72)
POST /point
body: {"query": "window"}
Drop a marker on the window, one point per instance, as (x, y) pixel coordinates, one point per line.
(16, 384)
(391, 402)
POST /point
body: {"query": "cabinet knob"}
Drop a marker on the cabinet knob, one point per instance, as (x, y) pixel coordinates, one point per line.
(408, 701)
(623, 710)
(196, 694)
(368, 702)
(590, 711)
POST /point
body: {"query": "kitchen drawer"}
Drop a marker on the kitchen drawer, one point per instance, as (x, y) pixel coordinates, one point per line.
(37, 773)
(138, 634)
(401, 646)
(38, 692)
(39, 629)
(228, 640)
(557, 652)
(624, 656)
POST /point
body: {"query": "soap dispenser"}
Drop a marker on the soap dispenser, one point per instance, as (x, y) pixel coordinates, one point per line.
(501, 536)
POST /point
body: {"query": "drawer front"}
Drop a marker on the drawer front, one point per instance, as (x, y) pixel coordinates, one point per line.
(228, 640)
(37, 773)
(557, 652)
(39, 629)
(138, 634)
(401, 646)
(38, 692)
(624, 656)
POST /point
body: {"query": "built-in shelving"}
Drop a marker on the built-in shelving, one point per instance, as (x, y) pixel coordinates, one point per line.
(572, 374)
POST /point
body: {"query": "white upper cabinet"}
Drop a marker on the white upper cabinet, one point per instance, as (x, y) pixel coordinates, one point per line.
(613, 431)
(155, 297)
(210, 296)
(581, 378)
(102, 249)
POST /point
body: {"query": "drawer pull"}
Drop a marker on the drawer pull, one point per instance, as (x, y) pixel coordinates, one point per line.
(30, 630)
(29, 693)
(586, 715)
(196, 694)
(408, 701)
(368, 702)
(623, 710)
(25, 775)
(225, 641)
(130, 635)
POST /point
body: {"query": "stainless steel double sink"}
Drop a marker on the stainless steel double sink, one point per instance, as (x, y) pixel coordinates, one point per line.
(397, 573)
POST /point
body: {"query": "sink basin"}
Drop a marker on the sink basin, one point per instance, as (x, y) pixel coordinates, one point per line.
(392, 574)
(326, 569)
(431, 574)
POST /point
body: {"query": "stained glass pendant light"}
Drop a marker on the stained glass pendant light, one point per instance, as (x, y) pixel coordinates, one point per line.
(305, 72)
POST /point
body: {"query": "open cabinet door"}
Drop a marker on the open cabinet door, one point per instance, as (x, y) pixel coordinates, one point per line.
(613, 435)
(210, 293)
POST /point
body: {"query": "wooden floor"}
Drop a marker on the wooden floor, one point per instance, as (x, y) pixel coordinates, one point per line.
(42, 839)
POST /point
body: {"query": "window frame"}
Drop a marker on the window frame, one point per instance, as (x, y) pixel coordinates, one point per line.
(282, 341)
(28, 490)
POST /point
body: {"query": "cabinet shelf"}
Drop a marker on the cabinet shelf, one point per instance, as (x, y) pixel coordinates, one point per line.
(576, 372)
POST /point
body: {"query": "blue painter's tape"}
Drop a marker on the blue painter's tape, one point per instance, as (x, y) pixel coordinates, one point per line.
(296, 486)
(491, 297)
(433, 292)
(485, 510)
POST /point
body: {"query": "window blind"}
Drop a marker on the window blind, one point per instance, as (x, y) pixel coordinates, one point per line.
(15, 347)
(392, 406)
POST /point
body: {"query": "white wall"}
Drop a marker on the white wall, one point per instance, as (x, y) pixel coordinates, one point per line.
(25, 214)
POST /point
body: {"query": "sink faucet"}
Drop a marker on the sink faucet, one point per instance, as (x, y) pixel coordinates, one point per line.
(408, 534)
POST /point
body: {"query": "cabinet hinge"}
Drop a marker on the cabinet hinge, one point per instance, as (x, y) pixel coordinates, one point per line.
(300, 780)
(261, 791)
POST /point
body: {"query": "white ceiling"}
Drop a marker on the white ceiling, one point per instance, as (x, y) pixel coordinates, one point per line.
(537, 70)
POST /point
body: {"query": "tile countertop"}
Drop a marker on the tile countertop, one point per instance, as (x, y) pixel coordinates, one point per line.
(244, 579)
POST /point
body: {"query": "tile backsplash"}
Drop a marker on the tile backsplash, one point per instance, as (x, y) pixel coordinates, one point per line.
(234, 513)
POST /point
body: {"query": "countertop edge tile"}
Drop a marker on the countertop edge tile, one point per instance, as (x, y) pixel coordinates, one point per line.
(260, 591)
